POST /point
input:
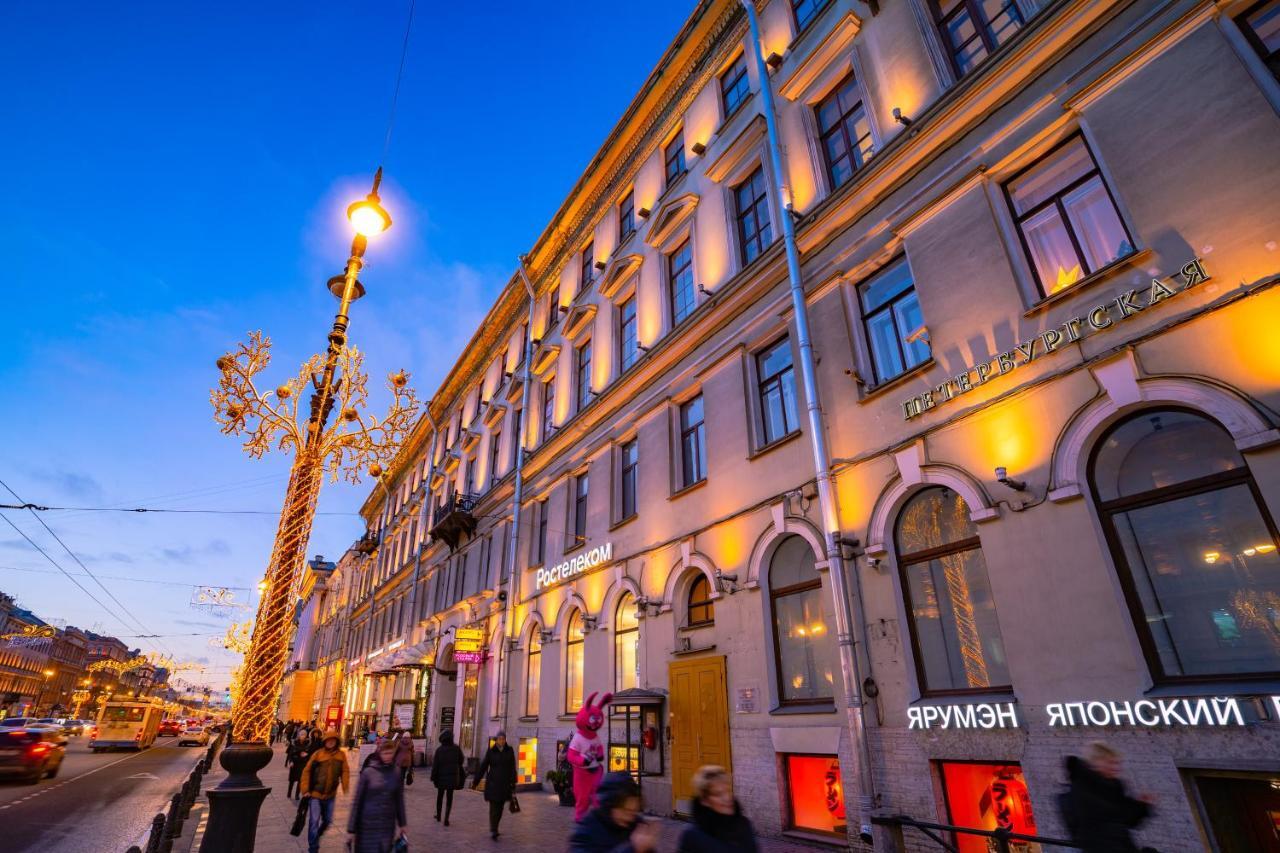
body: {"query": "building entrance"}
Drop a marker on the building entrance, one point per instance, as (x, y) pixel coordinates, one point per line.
(699, 730)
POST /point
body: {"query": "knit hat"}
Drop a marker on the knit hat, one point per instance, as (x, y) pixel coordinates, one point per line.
(330, 734)
(614, 788)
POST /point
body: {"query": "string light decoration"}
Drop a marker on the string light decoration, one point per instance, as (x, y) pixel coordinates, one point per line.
(354, 443)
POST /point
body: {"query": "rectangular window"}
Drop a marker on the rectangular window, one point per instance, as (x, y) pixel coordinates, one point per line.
(629, 471)
(469, 484)
(844, 131)
(495, 457)
(815, 794)
(751, 208)
(626, 217)
(540, 544)
(553, 316)
(777, 390)
(986, 796)
(734, 86)
(693, 452)
(628, 333)
(548, 407)
(582, 375)
(680, 283)
(673, 158)
(533, 674)
(806, 11)
(581, 486)
(517, 436)
(588, 272)
(1066, 217)
(973, 29)
(1261, 26)
(893, 322)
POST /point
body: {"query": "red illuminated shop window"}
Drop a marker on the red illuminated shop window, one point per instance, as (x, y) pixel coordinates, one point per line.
(987, 796)
(815, 794)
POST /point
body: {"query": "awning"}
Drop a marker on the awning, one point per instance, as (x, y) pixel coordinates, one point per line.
(407, 656)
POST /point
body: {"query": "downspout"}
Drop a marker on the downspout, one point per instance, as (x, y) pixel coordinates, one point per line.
(849, 667)
(417, 554)
(517, 498)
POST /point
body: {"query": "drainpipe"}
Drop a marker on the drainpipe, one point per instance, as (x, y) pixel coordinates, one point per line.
(849, 667)
(424, 515)
(517, 497)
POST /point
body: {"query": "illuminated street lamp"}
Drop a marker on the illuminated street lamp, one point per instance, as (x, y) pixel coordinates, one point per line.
(347, 447)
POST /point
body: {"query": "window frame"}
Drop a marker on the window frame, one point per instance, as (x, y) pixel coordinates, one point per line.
(628, 343)
(740, 215)
(776, 379)
(1271, 61)
(582, 392)
(982, 29)
(1056, 199)
(620, 636)
(819, 6)
(495, 455)
(627, 216)
(708, 604)
(728, 86)
(587, 273)
(784, 592)
(531, 709)
(517, 439)
(673, 275)
(569, 644)
(541, 540)
(548, 407)
(628, 479)
(699, 430)
(901, 337)
(841, 127)
(674, 146)
(579, 497)
(1106, 510)
(905, 561)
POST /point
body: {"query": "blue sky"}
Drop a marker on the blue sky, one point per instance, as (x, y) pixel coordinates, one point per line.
(176, 175)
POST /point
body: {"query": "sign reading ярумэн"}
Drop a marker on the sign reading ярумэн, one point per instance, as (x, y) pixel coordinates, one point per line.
(1096, 319)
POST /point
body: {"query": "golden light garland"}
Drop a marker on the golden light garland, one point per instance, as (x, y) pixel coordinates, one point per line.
(345, 446)
(31, 632)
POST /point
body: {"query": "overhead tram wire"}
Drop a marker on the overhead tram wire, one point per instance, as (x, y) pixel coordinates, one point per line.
(33, 507)
(395, 94)
(131, 580)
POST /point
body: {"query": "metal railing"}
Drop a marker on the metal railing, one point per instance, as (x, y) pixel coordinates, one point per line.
(166, 828)
(1005, 841)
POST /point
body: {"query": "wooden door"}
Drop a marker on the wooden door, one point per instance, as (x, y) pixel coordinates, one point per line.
(699, 724)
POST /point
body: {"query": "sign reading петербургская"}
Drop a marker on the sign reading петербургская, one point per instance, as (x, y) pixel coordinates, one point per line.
(1096, 319)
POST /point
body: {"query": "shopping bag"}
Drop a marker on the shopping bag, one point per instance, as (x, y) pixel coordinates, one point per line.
(300, 819)
(514, 804)
(408, 779)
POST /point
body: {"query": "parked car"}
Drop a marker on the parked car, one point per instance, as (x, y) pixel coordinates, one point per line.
(196, 736)
(170, 728)
(32, 753)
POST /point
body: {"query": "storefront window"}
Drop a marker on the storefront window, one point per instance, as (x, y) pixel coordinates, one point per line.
(573, 659)
(815, 793)
(954, 630)
(986, 796)
(803, 646)
(533, 673)
(1194, 544)
(626, 645)
(527, 761)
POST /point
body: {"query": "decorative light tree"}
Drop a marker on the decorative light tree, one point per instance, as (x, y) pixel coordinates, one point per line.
(355, 442)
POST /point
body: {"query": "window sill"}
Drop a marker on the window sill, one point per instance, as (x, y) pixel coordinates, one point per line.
(527, 720)
(1265, 685)
(689, 629)
(774, 445)
(1090, 281)
(684, 490)
(566, 718)
(828, 707)
(693, 651)
(871, 392)
(811, 837)
(623, 522)
(960, 697)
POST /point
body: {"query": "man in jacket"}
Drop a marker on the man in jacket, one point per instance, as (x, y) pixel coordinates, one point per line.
(1097, 809)
(615, 824)
(326, 771)
(498, 770)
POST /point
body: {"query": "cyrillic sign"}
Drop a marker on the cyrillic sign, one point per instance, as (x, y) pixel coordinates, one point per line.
(986, 715)
(575, 566)
(1209, 711)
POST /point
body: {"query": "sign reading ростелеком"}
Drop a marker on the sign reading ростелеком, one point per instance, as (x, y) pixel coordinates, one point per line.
(575, 566)
(1096, 319)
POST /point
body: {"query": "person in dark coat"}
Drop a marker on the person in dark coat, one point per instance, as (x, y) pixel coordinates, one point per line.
(498, 770)
(615, 824)
(1097, 809)
(448, 773)
(718, 823)
(296, 755)
(377, 812)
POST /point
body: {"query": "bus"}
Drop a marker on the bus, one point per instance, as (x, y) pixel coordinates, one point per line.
(127, 724)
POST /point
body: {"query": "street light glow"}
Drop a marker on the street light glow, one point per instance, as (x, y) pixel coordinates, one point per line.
(368, 217)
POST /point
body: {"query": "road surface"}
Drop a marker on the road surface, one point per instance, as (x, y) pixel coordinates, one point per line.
(97, 804)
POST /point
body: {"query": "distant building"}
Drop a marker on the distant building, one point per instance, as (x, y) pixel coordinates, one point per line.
(297, 689)
(23, 661)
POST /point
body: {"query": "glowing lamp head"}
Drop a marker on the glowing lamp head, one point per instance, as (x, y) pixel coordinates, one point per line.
(368, 217)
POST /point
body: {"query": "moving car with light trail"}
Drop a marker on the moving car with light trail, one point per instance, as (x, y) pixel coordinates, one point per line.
(32, 753)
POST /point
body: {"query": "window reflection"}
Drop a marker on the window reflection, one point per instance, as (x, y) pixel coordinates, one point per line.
(805, 650)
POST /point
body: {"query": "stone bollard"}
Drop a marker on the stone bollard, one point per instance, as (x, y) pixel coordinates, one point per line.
(156, 834)
(173, 826)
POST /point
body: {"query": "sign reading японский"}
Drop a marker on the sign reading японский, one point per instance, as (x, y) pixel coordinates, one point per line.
(1096, 319)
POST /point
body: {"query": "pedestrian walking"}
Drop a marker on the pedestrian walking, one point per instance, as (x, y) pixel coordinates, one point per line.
(498, 771)
(615, 825)
(275, 731)
(1097, 809)
(448, 773)
(325, 773)
(377, 812)
(404, 756)
(297, 754)
(718, 823)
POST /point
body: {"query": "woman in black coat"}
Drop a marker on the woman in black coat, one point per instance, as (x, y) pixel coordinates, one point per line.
(296, 755)
(1098, 809)
(498, 770)
(718, 823)
(448, 773)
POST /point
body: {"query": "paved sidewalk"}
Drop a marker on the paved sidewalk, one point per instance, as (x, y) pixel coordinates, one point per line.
(542, 825)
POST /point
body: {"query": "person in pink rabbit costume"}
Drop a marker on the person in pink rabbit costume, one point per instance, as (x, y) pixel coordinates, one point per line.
(586, 754)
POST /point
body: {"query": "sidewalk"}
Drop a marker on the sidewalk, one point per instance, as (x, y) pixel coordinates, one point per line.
(542, 825)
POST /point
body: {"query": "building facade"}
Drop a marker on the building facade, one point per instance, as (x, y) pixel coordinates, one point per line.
(1037, 243)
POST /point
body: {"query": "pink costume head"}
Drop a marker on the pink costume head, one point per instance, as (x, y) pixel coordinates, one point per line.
(591, 717)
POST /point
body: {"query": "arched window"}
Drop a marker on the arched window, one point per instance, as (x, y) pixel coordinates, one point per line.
(1194, 545)
(803, 650)
(573, 659)
(626, 644)
(954, 630)
(701, 609)
(533, 673)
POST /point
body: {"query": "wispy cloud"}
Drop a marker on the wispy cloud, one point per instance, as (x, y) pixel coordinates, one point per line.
(65, 484)
(190, 554)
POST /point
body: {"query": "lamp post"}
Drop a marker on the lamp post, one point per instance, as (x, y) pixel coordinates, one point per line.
(347, 447)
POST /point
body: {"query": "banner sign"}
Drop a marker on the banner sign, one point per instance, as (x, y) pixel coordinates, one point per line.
(1218, 711)
(575, 566)
(468, 640)
(469, 657)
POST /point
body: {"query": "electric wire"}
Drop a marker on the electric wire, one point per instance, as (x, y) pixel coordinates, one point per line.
(395, 95)
(42, 508)
(129, 579)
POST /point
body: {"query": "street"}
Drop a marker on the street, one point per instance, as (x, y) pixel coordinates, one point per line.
(101, 802)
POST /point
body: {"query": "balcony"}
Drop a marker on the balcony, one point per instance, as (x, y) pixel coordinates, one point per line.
(454, 521)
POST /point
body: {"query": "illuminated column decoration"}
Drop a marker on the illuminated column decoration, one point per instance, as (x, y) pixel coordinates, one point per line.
(353, 443)
(975, 662)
